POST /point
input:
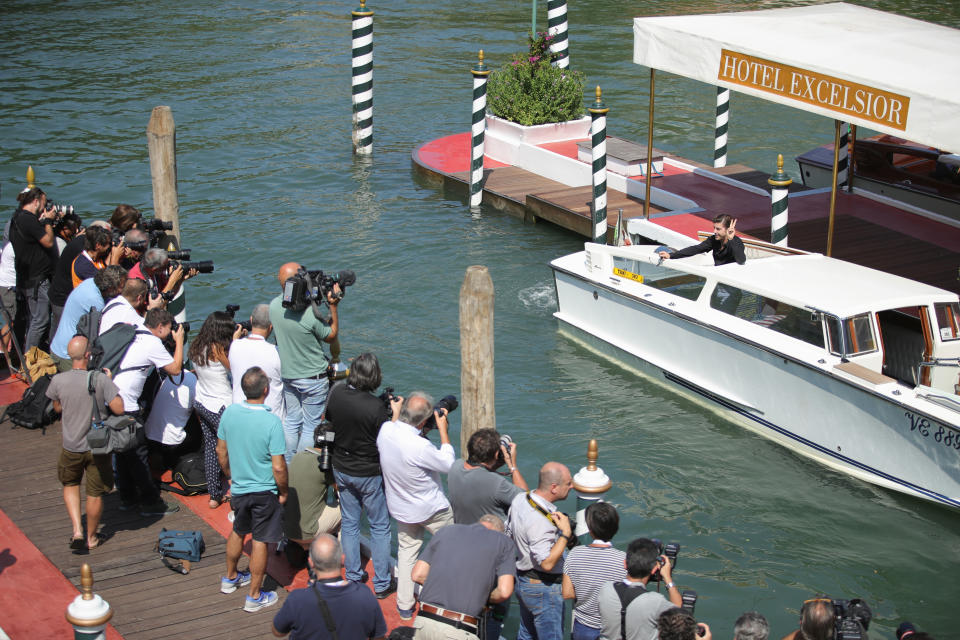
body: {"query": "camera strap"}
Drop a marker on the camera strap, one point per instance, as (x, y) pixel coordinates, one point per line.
(543, 512)
(327, 616)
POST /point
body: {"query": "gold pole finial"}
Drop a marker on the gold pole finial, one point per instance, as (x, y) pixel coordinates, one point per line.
(363, 4)
(592, 455)
(598, 93)
(31, 177)
(779, 162)
(480, 57)
(86, 581)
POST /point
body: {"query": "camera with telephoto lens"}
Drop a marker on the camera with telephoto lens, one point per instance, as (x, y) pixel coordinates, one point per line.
(671, 550)
(449, 403)
(505, 442)
(182, 254)
(323, 440)
(232, 312)
(176, 325)
(166, 295)
(203, 266)
(689, 600)
(59, 209)
(852, 619)
(308, 287)
(337, 371)
(156, 224)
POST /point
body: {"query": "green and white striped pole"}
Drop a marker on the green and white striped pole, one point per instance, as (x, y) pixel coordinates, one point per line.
(779, 190)
(720, 132)
(598, 152)
(480, 72)
(591, 485)
(843, 162)
(557, 30)
(362, 79)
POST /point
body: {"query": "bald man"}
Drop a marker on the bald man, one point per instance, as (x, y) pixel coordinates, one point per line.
(303, 364)
(68, 391)
(351, 606)
(541, 534)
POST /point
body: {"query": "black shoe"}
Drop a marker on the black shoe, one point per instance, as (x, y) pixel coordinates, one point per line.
(392, 588)
(159, 509)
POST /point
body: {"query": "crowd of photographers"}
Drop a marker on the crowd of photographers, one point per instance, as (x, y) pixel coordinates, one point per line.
(302, 455)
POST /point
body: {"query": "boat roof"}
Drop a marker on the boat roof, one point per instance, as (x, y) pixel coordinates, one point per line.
(826, 284)
(838, 60)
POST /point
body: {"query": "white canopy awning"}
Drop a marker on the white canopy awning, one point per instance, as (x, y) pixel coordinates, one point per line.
(886, 72)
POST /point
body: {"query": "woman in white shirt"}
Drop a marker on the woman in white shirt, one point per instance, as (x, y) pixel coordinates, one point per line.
(208, 351)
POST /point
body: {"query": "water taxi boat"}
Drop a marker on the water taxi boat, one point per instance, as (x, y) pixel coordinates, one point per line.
(855, 368)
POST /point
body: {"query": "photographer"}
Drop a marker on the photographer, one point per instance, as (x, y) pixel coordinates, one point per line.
(129, 251)
(356, 415)
(541, 533)
(300, 337)
(307, 513)
(411, 477)
(31, 234)
(475, 486)
(254, 350)
(630, 599)
(155, 269)
(96, 252)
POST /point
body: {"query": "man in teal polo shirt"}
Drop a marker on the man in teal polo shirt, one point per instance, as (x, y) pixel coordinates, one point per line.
(303, 364)
(250, 447)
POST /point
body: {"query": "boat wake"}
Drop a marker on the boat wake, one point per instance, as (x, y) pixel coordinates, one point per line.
(539, 296)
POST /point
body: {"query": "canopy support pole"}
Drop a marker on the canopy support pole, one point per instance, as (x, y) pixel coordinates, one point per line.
(833, 183)
(649, 175)
(852, 155)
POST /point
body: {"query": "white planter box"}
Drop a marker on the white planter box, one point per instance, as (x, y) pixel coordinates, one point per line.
(503, 138)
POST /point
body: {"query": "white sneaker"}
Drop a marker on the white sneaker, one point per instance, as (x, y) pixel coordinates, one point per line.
(266, 599)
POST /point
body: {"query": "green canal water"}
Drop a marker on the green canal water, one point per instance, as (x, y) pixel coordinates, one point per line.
(260, 93)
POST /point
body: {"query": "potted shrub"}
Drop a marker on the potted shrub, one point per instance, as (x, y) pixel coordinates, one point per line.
(529, 100)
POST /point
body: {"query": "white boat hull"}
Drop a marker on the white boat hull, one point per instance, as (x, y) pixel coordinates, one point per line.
(806, 409)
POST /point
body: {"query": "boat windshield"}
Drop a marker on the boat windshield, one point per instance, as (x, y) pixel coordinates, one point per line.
(948, 320)
(685, 285)
(776, 315)
(858, 335)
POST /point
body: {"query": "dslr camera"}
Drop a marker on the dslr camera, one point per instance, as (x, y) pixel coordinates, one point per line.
(308, 288)
(323, 437)
(203, 266)
(156, 224)
(671, 550)
(176, 325)
(387, 397)
(449, 403)
(232, 312)
(852, 619)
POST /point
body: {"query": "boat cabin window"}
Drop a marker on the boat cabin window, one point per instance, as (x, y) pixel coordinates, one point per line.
(778, 316)
(858, 333)
(685, 285)
(948, 320)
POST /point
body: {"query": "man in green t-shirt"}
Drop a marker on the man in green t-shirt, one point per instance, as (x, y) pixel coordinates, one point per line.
(250, 449)
(303, 364)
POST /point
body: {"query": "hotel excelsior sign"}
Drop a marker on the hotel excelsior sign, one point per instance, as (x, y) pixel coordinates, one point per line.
(882, 107)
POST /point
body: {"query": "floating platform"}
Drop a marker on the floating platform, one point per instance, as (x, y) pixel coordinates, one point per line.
(687, 196)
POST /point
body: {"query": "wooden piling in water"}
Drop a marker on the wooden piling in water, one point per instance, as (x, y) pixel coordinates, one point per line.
(476, 354)
(162, 145)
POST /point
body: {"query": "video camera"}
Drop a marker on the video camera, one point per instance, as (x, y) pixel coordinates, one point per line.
(671, 550)
(310, 288)
(232, 312)
(446, 402)
(852, 619)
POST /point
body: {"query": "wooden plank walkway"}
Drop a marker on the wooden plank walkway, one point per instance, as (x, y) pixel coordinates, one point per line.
(148, 599)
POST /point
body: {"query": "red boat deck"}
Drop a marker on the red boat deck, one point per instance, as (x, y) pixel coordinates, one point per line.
(866, 232)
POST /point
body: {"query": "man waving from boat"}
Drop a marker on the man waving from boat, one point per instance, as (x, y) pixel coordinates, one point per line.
(724, 244)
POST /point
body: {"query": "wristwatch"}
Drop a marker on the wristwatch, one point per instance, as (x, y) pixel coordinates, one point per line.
(671, 585)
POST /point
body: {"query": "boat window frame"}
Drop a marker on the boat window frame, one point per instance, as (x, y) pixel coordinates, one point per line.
(848, 334)
(954, 319)
(618, 271)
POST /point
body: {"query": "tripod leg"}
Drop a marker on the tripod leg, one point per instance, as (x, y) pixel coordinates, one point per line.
(24, 372)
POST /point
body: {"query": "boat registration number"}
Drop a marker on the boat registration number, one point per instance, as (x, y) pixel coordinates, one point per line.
(636, 277)
(946, 437)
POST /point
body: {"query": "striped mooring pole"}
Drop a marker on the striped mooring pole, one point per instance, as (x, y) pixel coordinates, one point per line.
(779, 190)
(480, 72)
(557, 29)
(88, 613)
(362, 79)
(720, 132)
(598, 149)
(843, 157)
(591, 484)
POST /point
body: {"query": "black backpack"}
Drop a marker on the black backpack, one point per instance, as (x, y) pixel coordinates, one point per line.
(35, 409)
(189, 474)
(626, 595)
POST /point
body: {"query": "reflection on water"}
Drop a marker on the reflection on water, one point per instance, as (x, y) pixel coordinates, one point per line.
(261, 97)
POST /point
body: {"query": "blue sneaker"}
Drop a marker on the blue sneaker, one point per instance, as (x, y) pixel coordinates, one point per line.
(266, 599)
(229, 586)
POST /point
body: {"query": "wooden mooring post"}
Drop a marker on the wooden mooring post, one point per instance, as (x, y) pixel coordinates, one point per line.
(476, 353)
(162, 145)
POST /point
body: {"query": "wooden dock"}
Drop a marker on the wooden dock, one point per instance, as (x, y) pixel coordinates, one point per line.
(866, 231)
